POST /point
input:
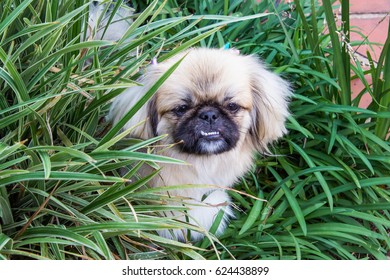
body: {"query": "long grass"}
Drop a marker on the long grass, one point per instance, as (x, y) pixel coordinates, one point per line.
(63, 196)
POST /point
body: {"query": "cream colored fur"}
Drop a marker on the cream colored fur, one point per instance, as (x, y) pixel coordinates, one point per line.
(99, 15)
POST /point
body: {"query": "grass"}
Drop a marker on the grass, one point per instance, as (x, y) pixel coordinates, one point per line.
(61, 196)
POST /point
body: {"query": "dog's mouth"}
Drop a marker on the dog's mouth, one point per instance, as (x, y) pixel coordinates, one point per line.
(206, 131)
(210, 135)
(207, 142)
(211, 143)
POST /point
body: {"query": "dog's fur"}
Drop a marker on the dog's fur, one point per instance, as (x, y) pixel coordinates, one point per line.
(208, 80)
(100, 15)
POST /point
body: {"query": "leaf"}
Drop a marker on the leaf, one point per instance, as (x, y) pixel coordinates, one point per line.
(13, 78)
(296, 208)
(46, 163)
(109, 155)
(106, 198)
(13, 15)
(101, 242)
(254, 214)
(70, 151)
(352, 148)
(5, 241)
(319, 176)
(77, 239)
(58, 175)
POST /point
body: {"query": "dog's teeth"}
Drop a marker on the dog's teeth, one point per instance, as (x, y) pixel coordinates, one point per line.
(209, 133)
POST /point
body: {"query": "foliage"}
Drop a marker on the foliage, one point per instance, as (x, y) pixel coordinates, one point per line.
(61, 194)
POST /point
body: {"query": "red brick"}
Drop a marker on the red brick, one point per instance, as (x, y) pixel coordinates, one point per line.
(375, 28)
(364, 7)
(357, 86)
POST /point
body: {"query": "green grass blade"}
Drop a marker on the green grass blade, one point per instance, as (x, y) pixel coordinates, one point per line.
(253, 215)
(13, 15)
(108, 155)
(338, 61)
(59, 175)
(101, 242)
(46, 164)
(319, 176)
(105, 199)
(296, 208)
(76, 238)
(383, 125)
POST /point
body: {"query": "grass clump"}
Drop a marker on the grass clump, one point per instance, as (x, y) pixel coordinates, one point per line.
(62, 197)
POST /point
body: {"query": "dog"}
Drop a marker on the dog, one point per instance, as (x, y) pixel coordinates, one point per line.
(217, 109)
(103, 26)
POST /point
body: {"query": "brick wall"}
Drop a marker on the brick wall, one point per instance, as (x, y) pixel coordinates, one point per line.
(371, 18)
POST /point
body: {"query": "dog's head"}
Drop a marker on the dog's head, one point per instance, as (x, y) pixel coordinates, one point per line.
(215, 101)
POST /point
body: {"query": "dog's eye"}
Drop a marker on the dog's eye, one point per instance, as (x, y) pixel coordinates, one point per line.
(180, 110)
(233, 107)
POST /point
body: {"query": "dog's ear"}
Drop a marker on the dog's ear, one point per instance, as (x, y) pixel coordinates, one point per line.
(153, 115)
(270, 96)
(144, 122)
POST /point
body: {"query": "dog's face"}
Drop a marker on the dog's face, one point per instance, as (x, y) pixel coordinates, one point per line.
(205, 108)
(215, 100)
(207, 128)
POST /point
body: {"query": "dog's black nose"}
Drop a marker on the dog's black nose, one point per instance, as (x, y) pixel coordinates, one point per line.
(209, 115)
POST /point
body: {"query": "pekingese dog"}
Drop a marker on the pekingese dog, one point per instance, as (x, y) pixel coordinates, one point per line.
(219, 108)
